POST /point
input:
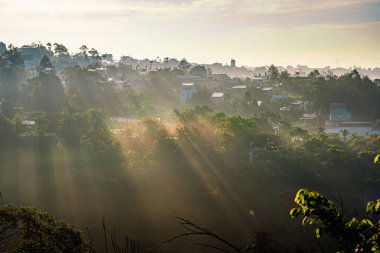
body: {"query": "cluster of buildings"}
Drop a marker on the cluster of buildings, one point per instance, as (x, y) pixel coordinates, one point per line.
(340, 120)
(215, 78)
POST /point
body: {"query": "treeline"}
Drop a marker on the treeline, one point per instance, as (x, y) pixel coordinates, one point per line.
(359, 93)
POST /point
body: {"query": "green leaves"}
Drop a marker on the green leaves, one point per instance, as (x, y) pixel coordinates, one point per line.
(373, 207)
(295, 212)
(308, 221)
(31, 230)
(364, 235)
(319, 232)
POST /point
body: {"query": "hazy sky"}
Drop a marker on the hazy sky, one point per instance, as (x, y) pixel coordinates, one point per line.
(254, 32)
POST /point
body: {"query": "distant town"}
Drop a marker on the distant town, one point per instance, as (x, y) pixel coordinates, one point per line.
(60, 55)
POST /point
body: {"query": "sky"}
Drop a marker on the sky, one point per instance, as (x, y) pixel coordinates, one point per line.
(254, 32)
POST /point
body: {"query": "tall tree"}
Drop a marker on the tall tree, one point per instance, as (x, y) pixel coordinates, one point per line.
(45, 64)
(94, 54)
(184, 65)
(83, 51)
(47, 93)
(60, 50)
(273, 74)
(11, 73)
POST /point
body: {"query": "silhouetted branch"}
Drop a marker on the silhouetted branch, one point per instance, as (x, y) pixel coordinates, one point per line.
(194, 229)
(105, 234)
(212, 247)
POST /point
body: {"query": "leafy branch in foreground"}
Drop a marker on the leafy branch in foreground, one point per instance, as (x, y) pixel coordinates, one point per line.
(351, 235)
(193, 229)
(26, 229)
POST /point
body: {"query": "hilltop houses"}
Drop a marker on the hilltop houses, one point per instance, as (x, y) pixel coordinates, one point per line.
(360, 128)
(31, 55)
(340, 120)
(338, 112)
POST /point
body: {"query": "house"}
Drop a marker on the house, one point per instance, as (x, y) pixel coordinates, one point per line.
(223, 78)
(31, 56)
(29, 122)
(258, 81)
(239, 87)
(81, 60)
(208, 84)
(338, 112)
(279, 98)
(201, 82)
(353, 127)
(267, 89)
(187, 91)
(298, 105)
(198, 71)
(310, 121)
(306, 106)
(107, 57)
(217, 98)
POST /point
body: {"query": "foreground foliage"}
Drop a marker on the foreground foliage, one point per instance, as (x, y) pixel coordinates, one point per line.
(26, 229)
(351, 235)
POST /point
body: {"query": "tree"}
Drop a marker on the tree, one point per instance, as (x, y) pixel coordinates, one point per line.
(45, 64)
(351, 235)
(83, 51)
(49, 45)
(314, 73)
(3, 48)
(137, 104)
(26, 229)
(47, 93)
(60, 50)
(71, 127)
(97, 139)
(345, 133)
(11, 73)
(85, 86)
(94, 54)
(284, 76)
(273, 74)
(209, 72)
(7, 135)
(184, 65)
(298, 134)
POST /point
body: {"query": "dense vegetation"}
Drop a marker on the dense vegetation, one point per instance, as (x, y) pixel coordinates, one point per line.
(61, 151)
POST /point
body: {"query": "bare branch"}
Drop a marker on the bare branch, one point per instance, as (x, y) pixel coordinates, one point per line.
(194, 229)
(212, 247)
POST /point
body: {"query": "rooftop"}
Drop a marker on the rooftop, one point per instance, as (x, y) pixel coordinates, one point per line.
(239, 87)
(217, 95)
